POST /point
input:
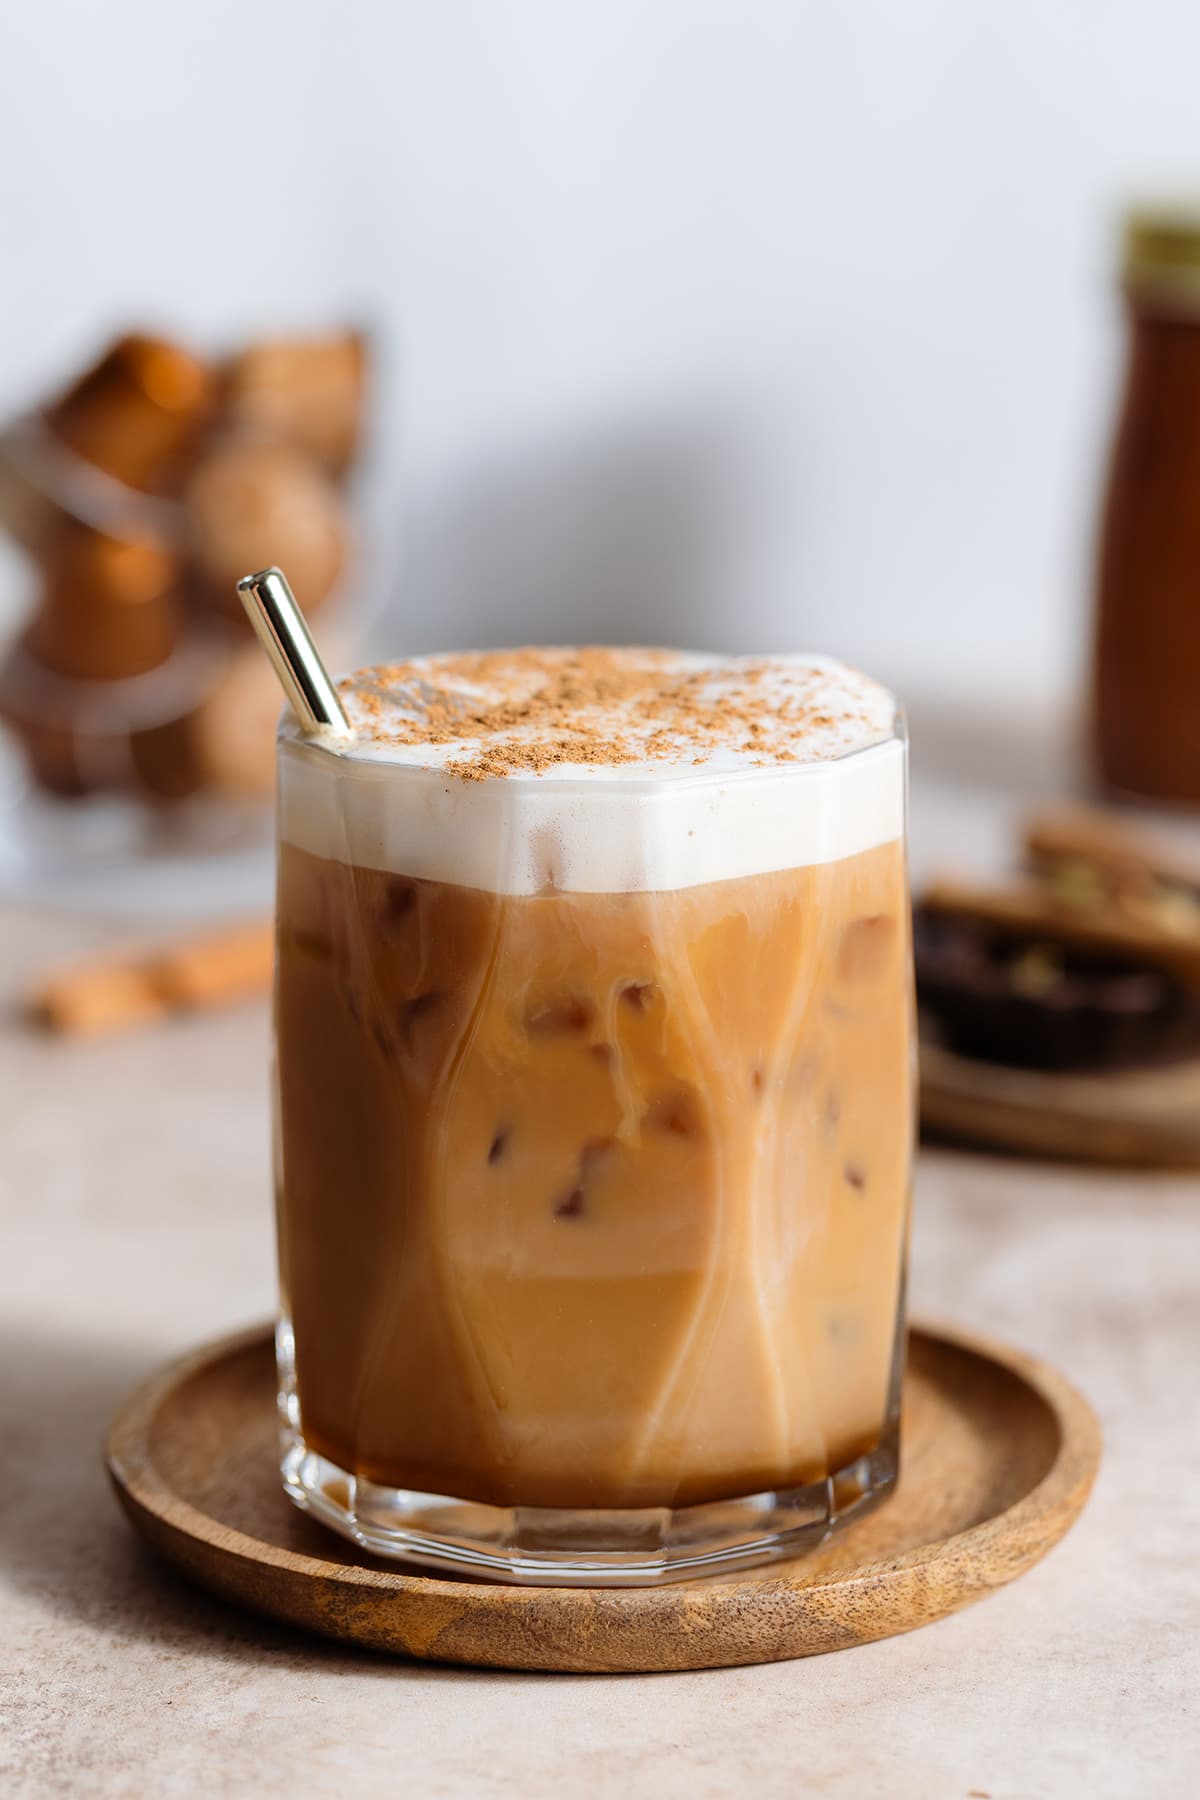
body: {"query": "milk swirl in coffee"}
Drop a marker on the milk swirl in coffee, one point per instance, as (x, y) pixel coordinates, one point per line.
(595, 1089)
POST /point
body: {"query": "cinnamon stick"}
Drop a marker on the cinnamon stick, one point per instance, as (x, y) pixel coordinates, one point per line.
(118, 991)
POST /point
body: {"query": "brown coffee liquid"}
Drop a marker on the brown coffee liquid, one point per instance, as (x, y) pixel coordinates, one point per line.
(594, 1199)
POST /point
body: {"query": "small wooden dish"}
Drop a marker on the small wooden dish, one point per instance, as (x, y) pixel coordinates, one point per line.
(1146, 1118)
(1000, 1452)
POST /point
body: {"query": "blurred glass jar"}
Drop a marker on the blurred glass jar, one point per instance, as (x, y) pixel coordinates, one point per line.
(140, 496)
(1146, 671)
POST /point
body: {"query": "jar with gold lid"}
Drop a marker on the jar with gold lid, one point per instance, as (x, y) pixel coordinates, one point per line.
(1146, 671)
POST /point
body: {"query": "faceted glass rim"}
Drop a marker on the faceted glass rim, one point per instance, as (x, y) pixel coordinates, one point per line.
(291, 741)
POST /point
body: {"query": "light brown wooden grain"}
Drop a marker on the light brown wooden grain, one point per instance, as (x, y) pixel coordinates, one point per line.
(1141, 1118)
(1000, 1452)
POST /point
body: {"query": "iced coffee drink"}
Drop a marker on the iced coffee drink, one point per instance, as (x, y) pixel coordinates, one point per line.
(594, 1030)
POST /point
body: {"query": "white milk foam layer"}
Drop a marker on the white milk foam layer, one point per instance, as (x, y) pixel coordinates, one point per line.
(665, 821)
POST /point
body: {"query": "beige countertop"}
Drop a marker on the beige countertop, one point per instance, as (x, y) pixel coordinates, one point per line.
(136, 1220)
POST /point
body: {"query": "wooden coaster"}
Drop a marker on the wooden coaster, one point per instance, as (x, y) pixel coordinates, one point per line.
(1139, 1118)
(999, 1455)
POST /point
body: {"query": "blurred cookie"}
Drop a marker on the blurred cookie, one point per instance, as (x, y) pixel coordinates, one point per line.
(1089, 961)
(1097, 860)
(1039, 1000)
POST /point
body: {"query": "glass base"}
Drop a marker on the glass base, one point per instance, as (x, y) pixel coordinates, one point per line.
(539, 1546)
(551, 1547)
(542, 1546)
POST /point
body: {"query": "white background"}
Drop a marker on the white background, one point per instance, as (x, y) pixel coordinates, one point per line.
(756, 324)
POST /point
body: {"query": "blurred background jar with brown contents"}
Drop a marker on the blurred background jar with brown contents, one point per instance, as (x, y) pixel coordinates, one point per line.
(1146, 702)
(135, 706)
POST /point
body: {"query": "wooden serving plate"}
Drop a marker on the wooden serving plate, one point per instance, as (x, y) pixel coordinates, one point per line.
(999, 1455)
(1141, 1118)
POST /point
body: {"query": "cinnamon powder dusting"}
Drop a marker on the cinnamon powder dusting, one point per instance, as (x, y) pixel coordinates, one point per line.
(491, 714)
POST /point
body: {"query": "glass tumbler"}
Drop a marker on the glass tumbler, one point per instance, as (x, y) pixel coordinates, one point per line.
(593, 1139)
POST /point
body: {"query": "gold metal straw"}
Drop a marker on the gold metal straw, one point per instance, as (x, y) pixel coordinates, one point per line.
(272, 610)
